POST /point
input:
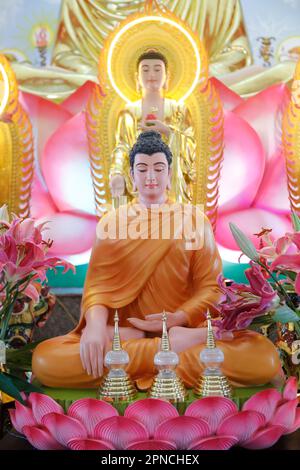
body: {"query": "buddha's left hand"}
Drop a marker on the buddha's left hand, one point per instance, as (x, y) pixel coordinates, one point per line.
(153, 322)
(156, 125)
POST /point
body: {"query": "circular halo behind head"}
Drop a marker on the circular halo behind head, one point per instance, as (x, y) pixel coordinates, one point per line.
(139, 33)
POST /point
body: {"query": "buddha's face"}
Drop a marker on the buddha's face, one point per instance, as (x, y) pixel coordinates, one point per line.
(152, 74)
(151, 175)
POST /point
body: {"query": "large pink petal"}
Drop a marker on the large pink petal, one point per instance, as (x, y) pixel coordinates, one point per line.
(78, 100)
(121, 431)
(182, 431)
(152, 445)
(243, 152)
(241, 425)
(41, 439)
(273, 192)
(285, 415)
(71, 233)
(41, 204)
(151, 412)
(296, 424)
(45, 116)
(214, 443)
(21, 416)
(222, 407)
(42, 405)
(90, 412)
(229, 98)
(250, 221)
(261, 112)
(89, 444)
(64, 428)
(290, 389)
(66, 168)
(264, 438)
(264, 402)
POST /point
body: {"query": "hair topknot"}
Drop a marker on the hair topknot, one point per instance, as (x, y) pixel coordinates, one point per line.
(150, 142)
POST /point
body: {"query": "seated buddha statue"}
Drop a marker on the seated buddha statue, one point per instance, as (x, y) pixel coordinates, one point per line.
(145, 261)
(166, 116)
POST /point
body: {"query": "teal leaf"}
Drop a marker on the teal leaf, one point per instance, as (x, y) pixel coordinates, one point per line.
(7, 386)
(296, 222)
(243, 242)
(285, 314)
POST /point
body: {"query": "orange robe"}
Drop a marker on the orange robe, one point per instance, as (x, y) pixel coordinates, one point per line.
(149, 274)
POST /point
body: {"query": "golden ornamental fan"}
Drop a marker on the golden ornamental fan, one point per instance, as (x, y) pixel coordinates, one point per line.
(291, 142)
(16, 145)
(189, 84)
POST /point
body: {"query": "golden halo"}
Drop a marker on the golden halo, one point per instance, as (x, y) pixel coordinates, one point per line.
(4, 88)
(137, 34)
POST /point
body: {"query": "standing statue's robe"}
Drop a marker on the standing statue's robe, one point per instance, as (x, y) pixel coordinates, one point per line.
(140, 275)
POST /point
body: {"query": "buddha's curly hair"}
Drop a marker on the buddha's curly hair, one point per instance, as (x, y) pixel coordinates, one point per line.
(150, 142)
(152, 54)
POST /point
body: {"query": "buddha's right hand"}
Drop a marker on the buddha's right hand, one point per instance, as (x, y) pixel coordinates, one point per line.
(117, 185)
(93, 345)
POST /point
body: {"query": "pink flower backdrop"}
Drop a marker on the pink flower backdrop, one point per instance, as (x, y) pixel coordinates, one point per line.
(253, 187)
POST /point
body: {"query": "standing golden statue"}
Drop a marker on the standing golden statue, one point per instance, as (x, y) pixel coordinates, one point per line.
(153, 74)
(291, 142)
(16, 145)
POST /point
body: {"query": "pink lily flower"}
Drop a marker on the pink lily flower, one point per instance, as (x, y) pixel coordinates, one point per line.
(245, 302)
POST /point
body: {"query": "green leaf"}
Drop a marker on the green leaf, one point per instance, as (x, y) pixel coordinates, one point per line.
(296, 222)
(285, 314)
(243, 242)
(7, 386)
(20, 384)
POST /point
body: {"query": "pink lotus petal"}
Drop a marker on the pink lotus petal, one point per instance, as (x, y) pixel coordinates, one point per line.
(21, 416)
(296, 424)
(290, 389)
(229, 98)
(264, 402)
(41, 439)
(264, 438)
(89, 444)
(241, 425)
(72, 233)
(42, 405)
(78, 100)
(214, 443)
(64, 428)
(222, 407)
(152, 445)
(121, 431)
(63, 174)
(182, 431)
(244, 152)
(90, 412)
(285, 415)
(151, 412)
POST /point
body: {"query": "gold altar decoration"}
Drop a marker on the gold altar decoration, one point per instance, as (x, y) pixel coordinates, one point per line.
(117, 385)
(291, 142)
(16, 145)
(166, 384)
(189, 85)
(212, 382)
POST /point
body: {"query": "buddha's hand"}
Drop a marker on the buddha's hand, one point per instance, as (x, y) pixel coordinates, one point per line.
(93, 345)
(155, 125)
(153, 322)
(117, 185)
